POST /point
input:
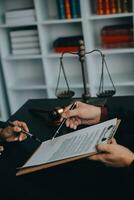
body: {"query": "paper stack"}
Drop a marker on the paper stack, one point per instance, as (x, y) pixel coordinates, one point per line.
(24, 42)
(20, 16)
(70, 147)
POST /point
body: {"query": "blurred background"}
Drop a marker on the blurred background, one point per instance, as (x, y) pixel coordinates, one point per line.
(34, 34)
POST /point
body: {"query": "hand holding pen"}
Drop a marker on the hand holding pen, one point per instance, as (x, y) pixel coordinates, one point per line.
(63, 121)
(21, 127)
(13, 131)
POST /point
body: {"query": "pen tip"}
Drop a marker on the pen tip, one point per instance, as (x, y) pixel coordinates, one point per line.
(38, 140)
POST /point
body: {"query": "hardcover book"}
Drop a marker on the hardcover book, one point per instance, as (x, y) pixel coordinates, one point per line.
(67, 6)
(100, 7)
(75, 8)
(61, 9)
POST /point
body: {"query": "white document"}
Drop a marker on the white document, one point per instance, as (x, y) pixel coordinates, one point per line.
(76, 143)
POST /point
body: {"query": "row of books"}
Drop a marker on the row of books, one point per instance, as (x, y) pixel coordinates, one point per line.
(117, 36)
(113, 6)
(68, 9)
(67, 44)
(20, 16)
(24, 42)
(118, 45)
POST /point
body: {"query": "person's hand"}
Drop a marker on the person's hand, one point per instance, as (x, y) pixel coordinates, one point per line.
(82, 114)
(113, 155)
(11, 134)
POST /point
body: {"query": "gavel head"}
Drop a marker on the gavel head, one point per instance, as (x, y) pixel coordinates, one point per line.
(55, 114)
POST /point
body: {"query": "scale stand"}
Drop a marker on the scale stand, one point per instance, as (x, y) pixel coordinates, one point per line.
(86, 95)
(81, 54)
(101, 93)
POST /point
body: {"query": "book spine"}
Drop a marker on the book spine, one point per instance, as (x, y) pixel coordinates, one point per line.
(67, 9)
(74, 9)
(26, 45)
(130, 6)
(78, 8)
(23, 33)
(71, 41)
(118, 45)
(19, 17)
(25, 39)
(21, 20)
(113, 6)
(26, 51)
(117, 30)
(117, 38)
(61, 9)
(107, 7)
(119, 6)
(66, 49)
(20, 13)
(125, 6)
(99, 7)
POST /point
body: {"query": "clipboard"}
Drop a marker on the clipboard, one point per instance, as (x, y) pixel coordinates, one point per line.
(92, 135)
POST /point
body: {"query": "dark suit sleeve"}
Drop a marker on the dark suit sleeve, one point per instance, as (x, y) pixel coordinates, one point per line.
(130, 172)
(121, 110)
(129, 179)
(124, 110)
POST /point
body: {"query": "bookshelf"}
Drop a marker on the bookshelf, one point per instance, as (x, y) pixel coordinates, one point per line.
(4, 112)
(35, 75)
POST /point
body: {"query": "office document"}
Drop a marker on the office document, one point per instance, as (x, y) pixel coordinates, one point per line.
(72, 146)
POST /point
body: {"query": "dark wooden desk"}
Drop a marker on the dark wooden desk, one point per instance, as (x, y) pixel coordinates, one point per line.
(78, 173)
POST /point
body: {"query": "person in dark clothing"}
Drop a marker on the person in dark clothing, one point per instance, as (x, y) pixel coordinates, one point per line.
(86, 178)
(111, 154)
(120, 156)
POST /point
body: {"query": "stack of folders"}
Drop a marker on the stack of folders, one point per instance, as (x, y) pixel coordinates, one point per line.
(20, 16)
(24, 42)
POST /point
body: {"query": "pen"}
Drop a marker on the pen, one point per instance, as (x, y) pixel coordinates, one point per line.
(25, 132)
(63, 121)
